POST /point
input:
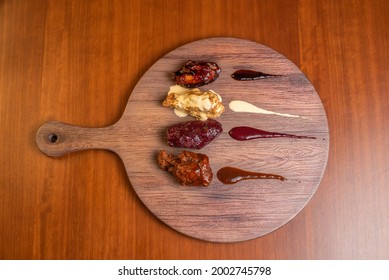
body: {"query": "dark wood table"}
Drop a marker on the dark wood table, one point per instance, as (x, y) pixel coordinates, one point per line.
(78, 61)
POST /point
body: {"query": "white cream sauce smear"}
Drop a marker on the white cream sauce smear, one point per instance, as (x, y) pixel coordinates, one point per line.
(243, 106)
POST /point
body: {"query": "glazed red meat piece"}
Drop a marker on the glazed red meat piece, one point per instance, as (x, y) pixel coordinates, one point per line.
(190, 169)
(193, 134)
(196, 73)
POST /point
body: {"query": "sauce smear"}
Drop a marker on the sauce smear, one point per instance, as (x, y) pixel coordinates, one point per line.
(243, 133)
(245, 107)
(232, 175)
(249, 75)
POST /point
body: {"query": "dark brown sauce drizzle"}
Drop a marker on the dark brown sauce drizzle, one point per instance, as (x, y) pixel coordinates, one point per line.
(232, 175)
(249, 75)
(243, 133)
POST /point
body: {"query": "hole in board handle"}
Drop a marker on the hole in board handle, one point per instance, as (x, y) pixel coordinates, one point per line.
(53, 138)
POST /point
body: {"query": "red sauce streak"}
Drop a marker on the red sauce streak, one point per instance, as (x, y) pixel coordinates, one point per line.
(243, 133)
(232, 175)
(249, 75)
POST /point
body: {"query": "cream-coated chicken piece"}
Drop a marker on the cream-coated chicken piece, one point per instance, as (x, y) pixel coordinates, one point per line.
(194, 102)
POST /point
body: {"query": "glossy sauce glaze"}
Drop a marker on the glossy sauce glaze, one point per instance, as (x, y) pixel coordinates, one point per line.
(243, 133)
(249, 75)
(232, 175)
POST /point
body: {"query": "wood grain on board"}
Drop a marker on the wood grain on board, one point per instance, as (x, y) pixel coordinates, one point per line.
(243, 211)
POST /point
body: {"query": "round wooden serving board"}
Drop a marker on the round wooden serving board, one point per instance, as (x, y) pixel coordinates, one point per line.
(220, 213)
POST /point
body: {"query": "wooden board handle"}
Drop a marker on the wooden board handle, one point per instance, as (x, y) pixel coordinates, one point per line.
(56, 138)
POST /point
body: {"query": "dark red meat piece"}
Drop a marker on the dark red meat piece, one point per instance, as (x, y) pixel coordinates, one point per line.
(196, 73)
(193, 134)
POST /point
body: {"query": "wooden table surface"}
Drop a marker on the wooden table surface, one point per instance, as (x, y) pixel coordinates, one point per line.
(78, 61)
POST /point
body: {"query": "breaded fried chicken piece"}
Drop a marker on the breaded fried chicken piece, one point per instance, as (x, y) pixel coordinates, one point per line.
(201, 105)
